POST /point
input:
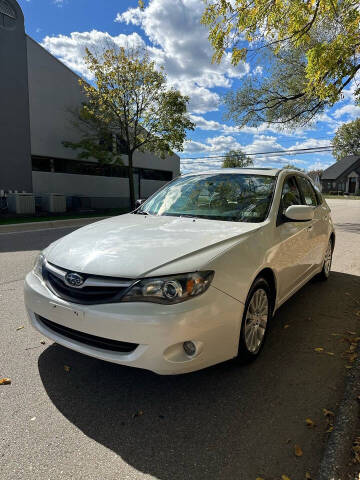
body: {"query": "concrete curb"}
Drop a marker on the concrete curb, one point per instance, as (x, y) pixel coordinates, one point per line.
(338, 449)
(30, 226)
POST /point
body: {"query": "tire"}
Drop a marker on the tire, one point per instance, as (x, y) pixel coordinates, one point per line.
(325, 272)
(254, 326)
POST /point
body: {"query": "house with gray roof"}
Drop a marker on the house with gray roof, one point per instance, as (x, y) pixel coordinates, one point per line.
(343, 176)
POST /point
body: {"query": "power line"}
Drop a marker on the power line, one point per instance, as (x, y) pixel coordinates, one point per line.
(298, 151)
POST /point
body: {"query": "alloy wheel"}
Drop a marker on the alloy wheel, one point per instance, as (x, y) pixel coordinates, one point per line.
(256, 320)
(328, 259)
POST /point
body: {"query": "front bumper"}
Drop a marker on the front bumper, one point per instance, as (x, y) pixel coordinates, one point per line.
(212, 321)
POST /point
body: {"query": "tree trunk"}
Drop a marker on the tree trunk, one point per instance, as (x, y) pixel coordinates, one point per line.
(131, 182)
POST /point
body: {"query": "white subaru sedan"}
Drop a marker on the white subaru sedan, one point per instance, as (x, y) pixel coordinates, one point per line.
(189, 279)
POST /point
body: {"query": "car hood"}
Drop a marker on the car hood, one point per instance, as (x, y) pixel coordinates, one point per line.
(137, 245)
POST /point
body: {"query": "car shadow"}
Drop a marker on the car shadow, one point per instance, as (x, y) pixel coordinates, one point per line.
(227, 421)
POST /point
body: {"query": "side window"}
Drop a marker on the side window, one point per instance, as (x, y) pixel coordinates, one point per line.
(319, 197)
(308, 191)
(290, 194)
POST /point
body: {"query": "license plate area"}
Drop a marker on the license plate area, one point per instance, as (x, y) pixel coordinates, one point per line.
(65, 315)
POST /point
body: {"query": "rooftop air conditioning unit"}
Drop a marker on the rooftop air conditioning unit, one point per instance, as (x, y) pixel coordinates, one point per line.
(22, 203)
(54, 203)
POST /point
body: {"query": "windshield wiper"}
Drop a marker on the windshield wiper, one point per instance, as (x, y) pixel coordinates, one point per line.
(140, 212)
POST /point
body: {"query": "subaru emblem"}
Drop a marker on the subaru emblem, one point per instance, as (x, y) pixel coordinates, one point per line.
(74, 279)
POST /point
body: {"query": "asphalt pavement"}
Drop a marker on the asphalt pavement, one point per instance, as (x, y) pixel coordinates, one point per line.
(104, 421)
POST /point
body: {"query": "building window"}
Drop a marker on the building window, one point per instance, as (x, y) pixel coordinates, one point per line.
(41, 164)
(149, 174)
(62, 165)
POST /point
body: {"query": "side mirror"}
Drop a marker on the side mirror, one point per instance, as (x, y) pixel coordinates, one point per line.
(299, 213)
(139, 202)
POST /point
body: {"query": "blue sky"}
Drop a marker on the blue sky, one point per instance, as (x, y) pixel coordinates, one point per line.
(173, 34)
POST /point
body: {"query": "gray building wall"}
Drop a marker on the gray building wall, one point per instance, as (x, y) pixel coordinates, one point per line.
(15, 162)
(55, 92)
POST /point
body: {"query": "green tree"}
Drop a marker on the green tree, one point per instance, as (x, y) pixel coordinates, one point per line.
(292, 167)
(236, 159)
(310, 50)
(347, 140)
(130, 100)
(97, 140)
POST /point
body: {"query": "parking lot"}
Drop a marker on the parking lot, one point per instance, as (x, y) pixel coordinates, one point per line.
(104, 421)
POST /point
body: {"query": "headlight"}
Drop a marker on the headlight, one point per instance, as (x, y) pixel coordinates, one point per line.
(169, 290)
(38, 264)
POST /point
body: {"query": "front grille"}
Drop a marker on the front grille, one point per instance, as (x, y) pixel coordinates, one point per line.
(87, 339)
(96, 290)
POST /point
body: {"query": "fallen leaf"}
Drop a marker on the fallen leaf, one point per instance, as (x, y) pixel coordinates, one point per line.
(298, 452)
(330, 429)
(356, 450)
(285, 477)
(310, 423)
(138, 414)
(259, 478)
(357, 313)
(348, 367)
(307, 476)
(330, 353)
(286, 326)
(20, 328)
(350, 332)
(336, 334)
(67, 368)
(353, 357)
(5, 381)
(319, 349)
(328, 413)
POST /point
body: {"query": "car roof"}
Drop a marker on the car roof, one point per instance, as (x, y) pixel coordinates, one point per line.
(272, 172)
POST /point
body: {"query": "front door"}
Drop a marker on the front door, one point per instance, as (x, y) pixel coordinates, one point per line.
(352, 184)
(291, 255)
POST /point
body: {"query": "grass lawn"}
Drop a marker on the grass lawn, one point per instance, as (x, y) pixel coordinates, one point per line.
(9, 220)
(343, 197)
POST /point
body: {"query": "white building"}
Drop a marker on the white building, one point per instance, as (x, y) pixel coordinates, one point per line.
(38, 94)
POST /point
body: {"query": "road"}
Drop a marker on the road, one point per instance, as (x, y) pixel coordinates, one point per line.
(226, 422)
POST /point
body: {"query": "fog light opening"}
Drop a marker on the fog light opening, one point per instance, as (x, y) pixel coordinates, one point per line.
(189, 348)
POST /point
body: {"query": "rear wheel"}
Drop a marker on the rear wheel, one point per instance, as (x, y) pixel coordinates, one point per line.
(325, 272)
(256, 317)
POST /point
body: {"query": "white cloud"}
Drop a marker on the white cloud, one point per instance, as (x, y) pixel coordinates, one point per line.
(223, 143)
(318, 166)
(313, 143)
(71, 49)
(180, 44)
(212, 125)
(350, 110)
(131, 16)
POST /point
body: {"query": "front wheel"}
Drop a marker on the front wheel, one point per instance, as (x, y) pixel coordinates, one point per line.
(256, 318)
(325, 272)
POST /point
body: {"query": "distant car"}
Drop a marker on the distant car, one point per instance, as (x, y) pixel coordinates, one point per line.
(190, 278)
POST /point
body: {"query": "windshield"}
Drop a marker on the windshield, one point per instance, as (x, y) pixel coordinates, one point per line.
(230, 197)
